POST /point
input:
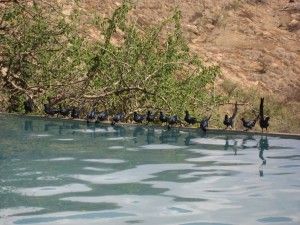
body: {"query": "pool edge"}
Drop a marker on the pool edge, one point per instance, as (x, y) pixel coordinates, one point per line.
(209, 130)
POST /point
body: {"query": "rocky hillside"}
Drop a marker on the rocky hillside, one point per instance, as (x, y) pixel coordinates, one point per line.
(256, 42)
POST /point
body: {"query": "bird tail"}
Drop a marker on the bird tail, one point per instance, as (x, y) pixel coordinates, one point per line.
(235, 110)
(261, 108)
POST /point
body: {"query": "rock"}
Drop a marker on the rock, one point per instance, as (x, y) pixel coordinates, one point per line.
(209, 26)
(294, 25)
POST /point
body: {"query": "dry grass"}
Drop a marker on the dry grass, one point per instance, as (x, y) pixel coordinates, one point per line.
(284, 113)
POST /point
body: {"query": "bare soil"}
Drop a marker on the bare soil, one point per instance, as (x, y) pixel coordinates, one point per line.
(256, 42)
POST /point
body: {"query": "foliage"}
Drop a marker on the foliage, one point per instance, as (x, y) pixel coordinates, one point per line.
(45, 57)
(40, 54)
(284, 116)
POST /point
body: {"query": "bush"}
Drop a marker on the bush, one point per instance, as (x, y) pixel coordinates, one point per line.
(45, 58)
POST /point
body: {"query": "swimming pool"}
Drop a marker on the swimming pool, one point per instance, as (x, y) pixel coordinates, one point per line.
(65, 172)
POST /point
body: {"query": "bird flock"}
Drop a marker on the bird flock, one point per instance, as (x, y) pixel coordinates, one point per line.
(98, 117)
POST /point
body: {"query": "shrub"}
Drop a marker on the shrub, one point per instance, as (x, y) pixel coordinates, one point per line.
(47, 59)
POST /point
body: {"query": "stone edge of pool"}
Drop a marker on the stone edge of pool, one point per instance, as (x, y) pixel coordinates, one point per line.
(209, 130)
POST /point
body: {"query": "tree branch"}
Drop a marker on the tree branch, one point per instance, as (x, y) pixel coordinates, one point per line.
(117, 92)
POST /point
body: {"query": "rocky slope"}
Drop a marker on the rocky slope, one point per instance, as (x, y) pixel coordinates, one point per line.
(256, 42)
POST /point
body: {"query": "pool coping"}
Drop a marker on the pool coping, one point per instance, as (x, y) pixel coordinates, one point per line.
(209, 130)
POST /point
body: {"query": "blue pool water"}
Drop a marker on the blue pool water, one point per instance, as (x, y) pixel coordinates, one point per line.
(63, 172)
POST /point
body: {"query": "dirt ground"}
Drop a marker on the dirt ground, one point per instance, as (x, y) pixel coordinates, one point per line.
(256, 42)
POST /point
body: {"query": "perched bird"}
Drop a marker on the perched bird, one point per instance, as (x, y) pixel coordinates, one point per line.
(263, 122)
(28, 105)
(138, 118)
(228, 121)
(189, 119)
(91, 115)
(63, 111)
(116, 118)
(102, 116)
(163, 118)
(75, 113)
(249, 124)
(150, 117)
(172, 121)
(204, 123)
(50, 111)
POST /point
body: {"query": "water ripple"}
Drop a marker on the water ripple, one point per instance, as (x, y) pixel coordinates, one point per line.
(52, 190)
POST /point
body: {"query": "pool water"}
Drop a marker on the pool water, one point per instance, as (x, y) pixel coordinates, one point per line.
(65, 172)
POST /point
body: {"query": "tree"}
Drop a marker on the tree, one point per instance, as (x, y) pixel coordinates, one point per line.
(43, 56)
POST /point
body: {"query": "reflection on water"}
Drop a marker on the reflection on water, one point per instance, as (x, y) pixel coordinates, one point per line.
(69, 172)
(232, 146)
(28, 125)
(263, 145)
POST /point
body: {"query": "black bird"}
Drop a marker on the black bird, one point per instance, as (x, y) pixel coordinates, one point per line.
(228, 121)
(204, 123)
(50, 111)
(150, 117)
(163, 118)
(91, 115)
(138, 118)
(116, 118)
(249, 124)
(63, 111)
(172, 121)
(189, 119)
(28, 105)
(263, 122)
(75, 113)
(102, 116)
